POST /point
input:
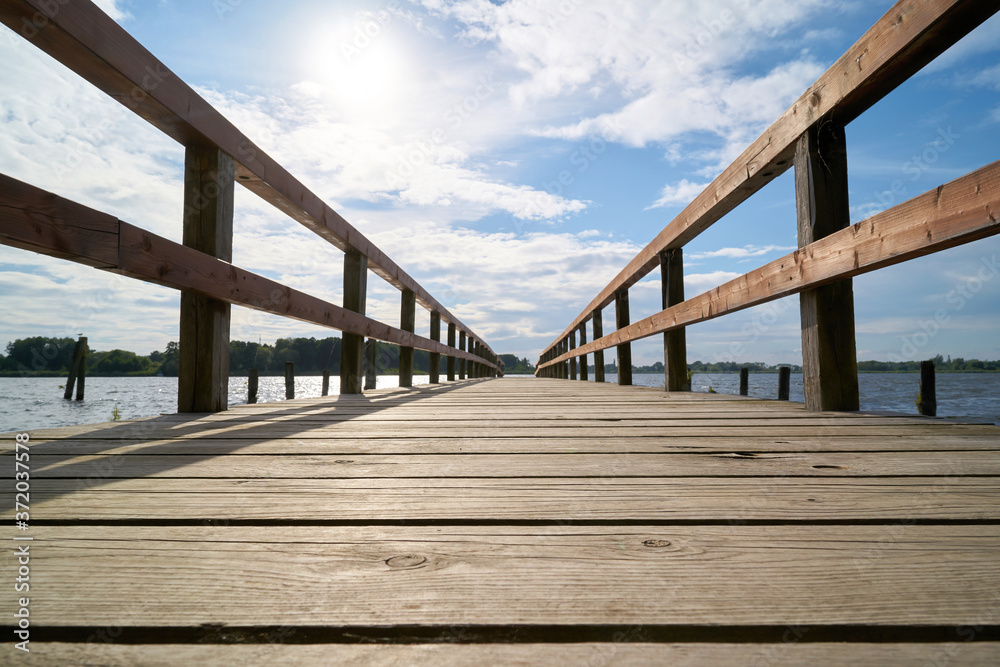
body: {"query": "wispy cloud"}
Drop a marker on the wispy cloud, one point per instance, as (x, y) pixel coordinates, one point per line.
(740, 253)
(678, 194)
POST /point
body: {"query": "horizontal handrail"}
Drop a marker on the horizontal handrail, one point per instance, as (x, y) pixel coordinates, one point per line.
(965, 210)
(910, 35)
(86, 40)
(40, 221)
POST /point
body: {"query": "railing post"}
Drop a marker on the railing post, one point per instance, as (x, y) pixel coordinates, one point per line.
(203, 375)
(572, 362)
(674, 342)
(451, 344)
(407, 322)
(371, 364)
(744, 382)
(624, 350)
(829, 352)
(352, 346)
(584, 371)
(599, 354)
(461, 362)
(326, 382)
(435, 368)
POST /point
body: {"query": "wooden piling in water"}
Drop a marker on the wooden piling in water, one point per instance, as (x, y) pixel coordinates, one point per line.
(289, 380)
(77, 371)
(744, 382)
(927, 404)
(252, 383)
(371, 368)
(784, 383)
(326, 382)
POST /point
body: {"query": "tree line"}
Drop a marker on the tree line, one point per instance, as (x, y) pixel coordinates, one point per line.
(42, 356)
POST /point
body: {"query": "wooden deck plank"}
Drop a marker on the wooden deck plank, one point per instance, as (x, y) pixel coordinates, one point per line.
(452, 444)
(547, 576)
(801, 499)
(789, 654)
(729, 464)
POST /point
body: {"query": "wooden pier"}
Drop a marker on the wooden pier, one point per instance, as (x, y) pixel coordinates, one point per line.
(526, 521)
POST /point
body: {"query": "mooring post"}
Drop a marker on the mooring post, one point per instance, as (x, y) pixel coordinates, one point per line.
(289, 380)
(584, 371)
(744, 382)
(674, 342)
(829, 352)
(451, 343)
(352, 346)
(599, 354)
(461, 362)
(572, 361)
(203, 364)
(927, 403)
(77, 370)
(784, 383)
(625, 349)
(435, 368)
(252, 382)
(371, 364)
(407, 322)
(326, 382)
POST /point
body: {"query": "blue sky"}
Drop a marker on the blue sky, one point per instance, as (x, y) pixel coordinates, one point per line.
(513, 157)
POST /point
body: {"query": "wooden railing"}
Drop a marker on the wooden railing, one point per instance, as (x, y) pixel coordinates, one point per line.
(218, 155)
(809, 136)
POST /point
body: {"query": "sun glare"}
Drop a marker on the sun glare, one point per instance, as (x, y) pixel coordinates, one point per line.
(363, 73)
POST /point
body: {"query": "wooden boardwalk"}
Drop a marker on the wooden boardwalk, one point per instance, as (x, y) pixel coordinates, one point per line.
(515, 521)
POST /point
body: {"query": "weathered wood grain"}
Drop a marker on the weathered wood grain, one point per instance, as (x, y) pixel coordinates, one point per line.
(505, 575)
(555, 499)
(475, 464)
(786, 654)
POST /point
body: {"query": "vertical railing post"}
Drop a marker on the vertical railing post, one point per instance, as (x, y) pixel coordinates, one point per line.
(352, 346)
(461, 362)
(407, 322)
(203, 374)
(744, 382)
(326, 382)
(829, 352)
(572, 362)
(435, 369)
(371, 364)
(599, 354)
(451, 344)
(584, 371)
(625, 349)
(674, 342)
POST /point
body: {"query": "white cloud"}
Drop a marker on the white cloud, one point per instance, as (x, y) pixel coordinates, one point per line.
(113, 8)
(698, 283)
(678, 194)
(740, 253)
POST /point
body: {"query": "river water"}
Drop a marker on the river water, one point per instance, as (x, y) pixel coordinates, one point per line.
(34, 403)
